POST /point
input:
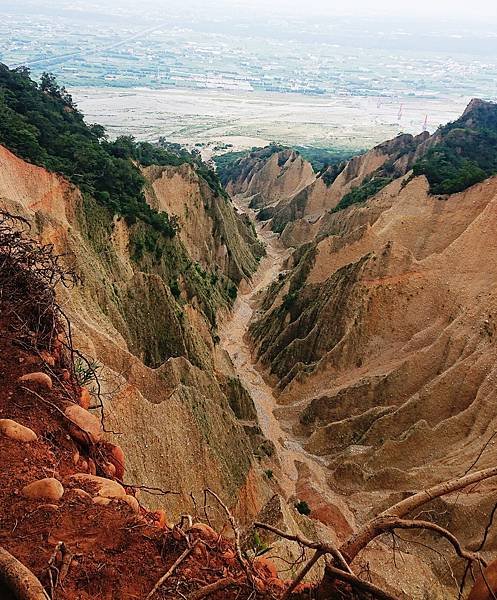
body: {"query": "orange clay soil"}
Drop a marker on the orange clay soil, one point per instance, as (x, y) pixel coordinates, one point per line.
(118, 553)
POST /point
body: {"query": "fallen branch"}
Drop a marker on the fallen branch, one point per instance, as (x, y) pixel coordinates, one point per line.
(153, 491)
(52, 568)
(236, 531)
(19, 580)
(323, 547)
(217, 586)
(360, 583)
(370, 531)
(415, 524)
(300, 576)
(175, 565)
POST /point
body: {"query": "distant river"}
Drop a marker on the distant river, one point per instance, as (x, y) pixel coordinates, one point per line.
(246, 119)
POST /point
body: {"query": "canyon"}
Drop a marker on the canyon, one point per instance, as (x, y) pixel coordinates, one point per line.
(299, 349)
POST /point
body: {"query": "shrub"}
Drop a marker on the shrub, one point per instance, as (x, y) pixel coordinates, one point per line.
(303, 508)
(466, 153)
(232, 292)
(289, 300)
(361, 193)
(174, 287)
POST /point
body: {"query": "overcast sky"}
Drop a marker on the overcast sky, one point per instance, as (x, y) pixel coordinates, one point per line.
(453, 9)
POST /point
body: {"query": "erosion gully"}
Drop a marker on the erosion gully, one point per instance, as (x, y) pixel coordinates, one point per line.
(235, 341)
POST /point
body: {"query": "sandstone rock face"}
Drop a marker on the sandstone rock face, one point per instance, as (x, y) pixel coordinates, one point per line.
(44, 489)
(167, 386)
(85, 426)
(310, 199)
(16, 431)
(270, 175)
(381, 340)
(40, 379)
(212, 232)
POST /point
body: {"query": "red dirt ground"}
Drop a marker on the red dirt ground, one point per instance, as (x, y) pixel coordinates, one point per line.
(117, 553)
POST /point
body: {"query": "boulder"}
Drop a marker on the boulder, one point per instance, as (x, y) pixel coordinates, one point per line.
(79, 493)
(109, 469)
(16, 431)
(44, 489)
(97, 486)
(101, 501)
(38, 378)
(85, 426)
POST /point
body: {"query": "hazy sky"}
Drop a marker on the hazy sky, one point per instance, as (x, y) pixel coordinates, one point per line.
(429, 9)
(453, 9)
(461, 11)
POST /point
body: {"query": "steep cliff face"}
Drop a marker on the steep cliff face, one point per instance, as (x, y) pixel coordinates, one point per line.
(147, 311)
(295, 215)
(380, 339)
(269, 175)
(212, 232)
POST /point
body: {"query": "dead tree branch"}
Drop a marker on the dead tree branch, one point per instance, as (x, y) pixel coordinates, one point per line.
(236, 531)
(370, 531)
(416, 524)
(323, 547)
(217, 586)
(175, 565)
(303, 572)
(355, 582)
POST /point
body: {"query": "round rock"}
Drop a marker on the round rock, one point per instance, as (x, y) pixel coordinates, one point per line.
(44, 489)
(16, 431)
(96, 485)
(85, 426)
(40, 379)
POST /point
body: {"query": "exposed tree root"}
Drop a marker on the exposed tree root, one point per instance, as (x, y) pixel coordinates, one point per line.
(18, 580)
(217, 586)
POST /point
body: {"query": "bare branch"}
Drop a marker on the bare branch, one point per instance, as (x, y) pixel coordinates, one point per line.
(217, 586)
(390, 523)
(19, 579)
(236, 531)
(323, 547)
(175, 565)
(306, 569)
(360, 583)
(367, 534)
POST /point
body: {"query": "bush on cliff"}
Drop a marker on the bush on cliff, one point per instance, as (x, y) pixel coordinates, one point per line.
(466, 153)
(363, 192)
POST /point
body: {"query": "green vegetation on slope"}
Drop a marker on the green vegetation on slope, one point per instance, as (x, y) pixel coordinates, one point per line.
(230, 165)
(363, 192)
(321, 158)
(40, 123)
(467, 153)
